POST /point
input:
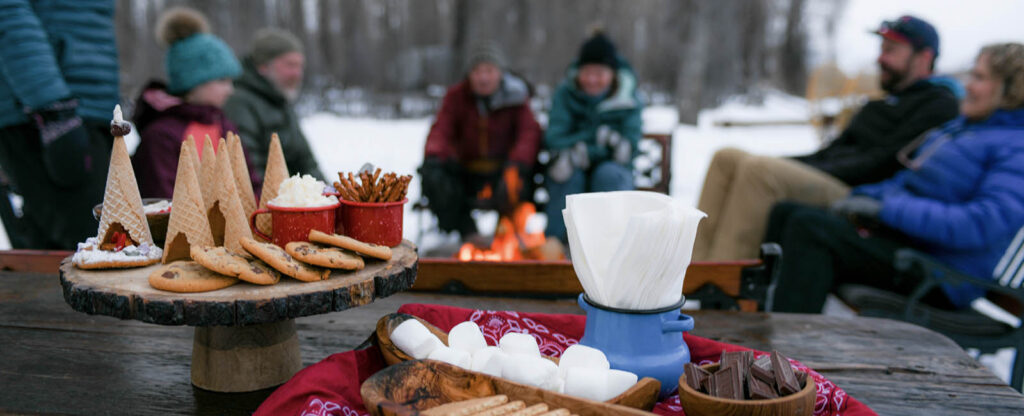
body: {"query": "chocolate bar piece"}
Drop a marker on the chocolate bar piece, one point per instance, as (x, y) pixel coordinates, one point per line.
(759, 390)
(765, 362)
(785, 380)
(708, 385)
(801, 378)
(765, 375)
(743, 358)
(695, 376)
(727, 383)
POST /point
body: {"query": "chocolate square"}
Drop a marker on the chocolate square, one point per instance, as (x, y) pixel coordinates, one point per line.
(760, 390)
(765, 362)
(727, 383)
(801, 378)
(785, 380)
(696, 376)
(765, 375)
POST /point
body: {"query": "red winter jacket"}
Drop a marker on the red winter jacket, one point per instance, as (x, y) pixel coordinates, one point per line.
(507, 132)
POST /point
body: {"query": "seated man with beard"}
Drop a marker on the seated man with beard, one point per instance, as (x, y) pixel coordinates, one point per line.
(262, 104)
(741, 188)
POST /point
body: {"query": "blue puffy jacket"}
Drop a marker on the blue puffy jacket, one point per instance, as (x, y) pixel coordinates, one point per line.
(965, 201)
(56, 49)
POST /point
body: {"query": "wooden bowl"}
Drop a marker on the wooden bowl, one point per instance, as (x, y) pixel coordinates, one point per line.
(643, 394)
(696, 403)
(411, 386)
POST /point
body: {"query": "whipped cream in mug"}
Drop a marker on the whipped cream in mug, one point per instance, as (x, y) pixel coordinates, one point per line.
(302, 192)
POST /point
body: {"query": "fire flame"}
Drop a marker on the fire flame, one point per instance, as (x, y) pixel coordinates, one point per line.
(511, 240)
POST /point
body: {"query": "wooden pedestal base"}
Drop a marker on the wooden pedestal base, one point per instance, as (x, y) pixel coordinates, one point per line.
(233, 359)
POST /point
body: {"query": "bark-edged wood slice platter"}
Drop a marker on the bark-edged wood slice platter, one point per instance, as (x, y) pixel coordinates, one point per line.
(245, 337)
(126, 294)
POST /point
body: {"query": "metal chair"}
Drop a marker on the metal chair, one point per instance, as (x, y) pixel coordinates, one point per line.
(968, 328)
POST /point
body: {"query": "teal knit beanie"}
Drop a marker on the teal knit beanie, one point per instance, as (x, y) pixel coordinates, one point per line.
(193, 56)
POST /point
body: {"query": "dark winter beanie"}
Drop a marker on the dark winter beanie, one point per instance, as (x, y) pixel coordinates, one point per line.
(194, 56)
(485, 52)
(269, 43)
(598, 50)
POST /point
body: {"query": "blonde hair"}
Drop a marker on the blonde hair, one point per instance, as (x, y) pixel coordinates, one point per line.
(1006, 60)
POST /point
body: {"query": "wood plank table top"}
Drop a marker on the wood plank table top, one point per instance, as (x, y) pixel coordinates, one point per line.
(56, 360)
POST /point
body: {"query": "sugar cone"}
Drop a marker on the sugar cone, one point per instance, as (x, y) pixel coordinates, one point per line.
(122, 205)
(208, 173)
(228, 207)
(193, 157)
(241, 170)
(188, 225)
(277, 172)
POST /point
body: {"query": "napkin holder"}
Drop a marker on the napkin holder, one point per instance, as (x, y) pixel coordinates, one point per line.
(648, 343)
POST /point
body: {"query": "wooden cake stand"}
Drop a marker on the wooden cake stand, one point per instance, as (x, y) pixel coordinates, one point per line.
(245, 336)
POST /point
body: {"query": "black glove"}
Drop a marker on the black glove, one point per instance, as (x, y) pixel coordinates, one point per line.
(860, 209)
(65, 142)
(441, 179)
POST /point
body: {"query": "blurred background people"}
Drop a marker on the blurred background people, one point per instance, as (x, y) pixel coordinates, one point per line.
(740, 188)
(200, 69)
(58, 87)
(960, 199)
(262, 103)
(483, 144)
(593, 128)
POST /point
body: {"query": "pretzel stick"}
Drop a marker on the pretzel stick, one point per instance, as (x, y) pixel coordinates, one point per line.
(355, 187)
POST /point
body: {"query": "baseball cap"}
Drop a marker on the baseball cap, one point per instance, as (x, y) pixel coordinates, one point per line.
(909, 29)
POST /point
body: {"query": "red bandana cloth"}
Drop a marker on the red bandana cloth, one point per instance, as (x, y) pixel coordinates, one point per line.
(331, 387)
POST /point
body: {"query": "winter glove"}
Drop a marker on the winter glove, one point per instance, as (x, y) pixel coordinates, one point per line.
(579, 156)
(437, 179)
(860, 209)
(560, 168)
(65, 142)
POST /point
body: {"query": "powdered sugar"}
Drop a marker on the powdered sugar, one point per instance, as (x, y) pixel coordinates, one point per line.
(90, 253)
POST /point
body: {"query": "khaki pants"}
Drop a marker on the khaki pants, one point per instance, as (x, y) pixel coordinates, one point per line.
(739, 192)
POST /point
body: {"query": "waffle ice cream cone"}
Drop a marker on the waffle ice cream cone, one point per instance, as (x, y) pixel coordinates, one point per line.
(235, 225)
(208, 173)
(241, 170)
(121, 201)
(188, 225)
(277, 172)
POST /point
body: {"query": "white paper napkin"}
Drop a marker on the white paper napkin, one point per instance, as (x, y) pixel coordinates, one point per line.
(630, 249)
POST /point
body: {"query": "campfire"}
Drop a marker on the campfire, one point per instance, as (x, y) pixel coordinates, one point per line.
(512, 241)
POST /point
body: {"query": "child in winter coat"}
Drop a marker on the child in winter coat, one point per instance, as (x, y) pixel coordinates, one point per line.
(200, 69)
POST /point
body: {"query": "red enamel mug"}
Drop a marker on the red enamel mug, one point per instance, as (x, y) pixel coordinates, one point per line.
(293, 223)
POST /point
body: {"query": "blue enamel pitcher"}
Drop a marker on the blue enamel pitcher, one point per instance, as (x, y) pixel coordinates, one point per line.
(648, 343)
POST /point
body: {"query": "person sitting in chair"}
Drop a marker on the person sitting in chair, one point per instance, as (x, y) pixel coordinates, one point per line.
(483, 144)
(960, 199)
(593, 129)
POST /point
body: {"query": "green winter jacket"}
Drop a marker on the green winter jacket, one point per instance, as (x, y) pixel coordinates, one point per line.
(575, 117)
(258, 109)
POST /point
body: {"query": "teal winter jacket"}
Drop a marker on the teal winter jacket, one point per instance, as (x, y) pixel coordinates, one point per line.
(56, 49)
(575, 116)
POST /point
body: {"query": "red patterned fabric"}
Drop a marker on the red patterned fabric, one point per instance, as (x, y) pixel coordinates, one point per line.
(331, 387)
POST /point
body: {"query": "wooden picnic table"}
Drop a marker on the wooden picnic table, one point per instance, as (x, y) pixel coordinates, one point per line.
(56, 360)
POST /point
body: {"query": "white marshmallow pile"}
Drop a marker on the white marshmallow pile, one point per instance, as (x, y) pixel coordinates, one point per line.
(630, 249)
(582, 371)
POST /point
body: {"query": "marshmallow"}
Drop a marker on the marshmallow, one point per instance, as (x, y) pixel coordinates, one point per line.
(488, 360)
(588, 383)
(516, 343)
(413, 338)
(467, 337)
(619, 381)
(581, 356)
(451, 356)
(531, 370)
